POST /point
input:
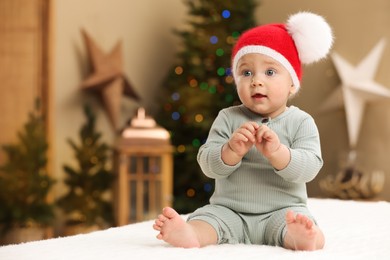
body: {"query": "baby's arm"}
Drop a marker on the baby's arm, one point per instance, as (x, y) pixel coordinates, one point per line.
(239, 143)
(305, 152)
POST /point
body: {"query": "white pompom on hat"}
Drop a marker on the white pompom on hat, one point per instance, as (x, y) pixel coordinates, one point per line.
(304, 39)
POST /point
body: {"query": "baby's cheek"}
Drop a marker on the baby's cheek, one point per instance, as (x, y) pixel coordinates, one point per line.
(238, 80)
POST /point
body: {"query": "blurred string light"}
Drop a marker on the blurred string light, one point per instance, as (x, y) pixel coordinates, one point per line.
(212, 90)
(214, 39)
(179, 70)
(196, 143)
(229, 98)
(220, 88)
(235, 35)
(175, 115)
(221, 71)
(232, 39)
(182, 109)
(181, 148)
(229, 79)
(226, 14)
(175, 96)
(207, 187)
(199, 118)
(168, 107)
(219, 52)
(228, 71)
(193, 83)
(190, 192)
(204, 86)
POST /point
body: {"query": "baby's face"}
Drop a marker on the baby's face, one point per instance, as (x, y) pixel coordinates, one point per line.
(263, 84)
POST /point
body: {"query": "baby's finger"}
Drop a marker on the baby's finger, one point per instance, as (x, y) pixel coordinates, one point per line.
(263, 132)
(250, 126)
(239, 137)
(247, 133)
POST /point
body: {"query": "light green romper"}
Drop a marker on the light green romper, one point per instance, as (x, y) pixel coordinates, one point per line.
(251, 198)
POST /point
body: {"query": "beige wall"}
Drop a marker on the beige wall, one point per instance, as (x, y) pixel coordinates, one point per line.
(144, 26)
(148, 49)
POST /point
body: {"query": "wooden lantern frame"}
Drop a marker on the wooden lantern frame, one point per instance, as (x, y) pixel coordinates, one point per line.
(144, 167)
(135, 202)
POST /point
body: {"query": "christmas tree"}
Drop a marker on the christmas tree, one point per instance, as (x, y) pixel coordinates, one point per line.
(197, 87)
(85, 203)
(24, 180)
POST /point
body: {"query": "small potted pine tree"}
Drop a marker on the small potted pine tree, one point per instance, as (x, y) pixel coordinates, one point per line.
(25, 212)
(86, 204)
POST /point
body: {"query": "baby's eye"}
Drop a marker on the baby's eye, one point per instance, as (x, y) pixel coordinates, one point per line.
(246, 73)
(270, 72)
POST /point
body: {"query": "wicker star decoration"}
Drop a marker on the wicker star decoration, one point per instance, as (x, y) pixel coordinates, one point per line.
(357, 89)
(108, 78)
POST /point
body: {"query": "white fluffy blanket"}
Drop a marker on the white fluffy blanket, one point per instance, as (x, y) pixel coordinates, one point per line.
(353, 230)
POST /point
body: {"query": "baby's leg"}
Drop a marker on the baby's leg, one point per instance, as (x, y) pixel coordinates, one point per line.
(302, 233)
(177, 232)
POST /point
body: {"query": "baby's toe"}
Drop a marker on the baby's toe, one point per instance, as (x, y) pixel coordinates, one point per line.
(159, 223)
(161, 218)
(157, 227)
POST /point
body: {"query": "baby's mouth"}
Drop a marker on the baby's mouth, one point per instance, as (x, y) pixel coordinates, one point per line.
(258, 95)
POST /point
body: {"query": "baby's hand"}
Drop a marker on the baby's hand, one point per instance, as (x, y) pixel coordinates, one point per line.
(267, 141)
(243, 138)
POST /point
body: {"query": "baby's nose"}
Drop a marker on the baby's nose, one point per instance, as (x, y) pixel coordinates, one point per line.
(257, 81)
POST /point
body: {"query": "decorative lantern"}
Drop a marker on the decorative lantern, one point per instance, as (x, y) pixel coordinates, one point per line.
(144, 167)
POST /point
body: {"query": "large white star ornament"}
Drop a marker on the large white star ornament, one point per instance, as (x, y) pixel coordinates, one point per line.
(357, 89)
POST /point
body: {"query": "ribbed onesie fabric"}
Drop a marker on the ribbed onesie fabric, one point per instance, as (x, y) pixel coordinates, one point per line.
(252, 192)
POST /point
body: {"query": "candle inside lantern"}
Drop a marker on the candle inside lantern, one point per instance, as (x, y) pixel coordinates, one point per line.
(141, 113)
(142, 121)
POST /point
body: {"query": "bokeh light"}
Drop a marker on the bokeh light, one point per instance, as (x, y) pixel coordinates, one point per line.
(175, 96)
(175, 116)
(235, 35)
(168, 107)
(190, 192)
(219, 52)
(220, 88)
(225, 14)
(193, 83)
(207, 187)
(213, 39)
(204, 86)
(179, 70)
(196, 142)
(221, 71)
(230, 40)
(182, 109)
(181, 148)
(229, 98)
(198, 118)
(212, 90)
(228, 71)
(229, 79)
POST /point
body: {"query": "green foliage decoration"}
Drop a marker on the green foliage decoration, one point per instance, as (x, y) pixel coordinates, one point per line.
(86, 200)
(198, 86)
(24, 179)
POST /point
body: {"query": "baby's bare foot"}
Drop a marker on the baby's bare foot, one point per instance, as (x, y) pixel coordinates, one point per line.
(302, 233)
(174, 230)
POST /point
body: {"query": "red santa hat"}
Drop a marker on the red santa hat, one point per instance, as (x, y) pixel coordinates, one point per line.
(304, 39)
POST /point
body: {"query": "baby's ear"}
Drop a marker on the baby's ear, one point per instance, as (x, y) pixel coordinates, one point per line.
(293, 90)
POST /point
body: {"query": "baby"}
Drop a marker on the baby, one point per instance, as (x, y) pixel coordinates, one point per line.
(263, 152)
